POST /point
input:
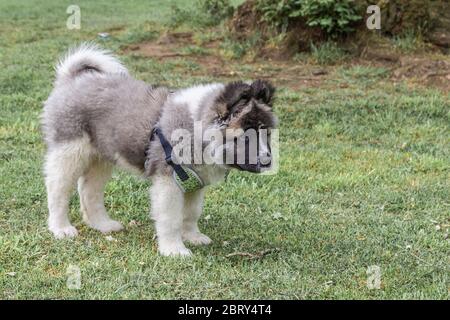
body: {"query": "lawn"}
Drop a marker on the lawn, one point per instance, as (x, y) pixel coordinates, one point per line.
(364, 181)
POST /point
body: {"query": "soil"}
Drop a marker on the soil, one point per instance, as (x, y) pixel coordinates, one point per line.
(425, 69)
(431, 73)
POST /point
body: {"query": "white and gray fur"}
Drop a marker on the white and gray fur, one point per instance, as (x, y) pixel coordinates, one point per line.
(98, 117)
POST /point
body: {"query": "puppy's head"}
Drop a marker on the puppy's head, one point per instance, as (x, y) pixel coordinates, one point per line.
(243, 111)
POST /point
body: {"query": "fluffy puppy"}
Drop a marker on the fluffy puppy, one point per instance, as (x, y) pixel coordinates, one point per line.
(98, 116)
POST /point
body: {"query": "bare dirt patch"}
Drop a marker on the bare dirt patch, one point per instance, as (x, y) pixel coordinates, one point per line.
(167, 46)
(285, 73)
(423, 70)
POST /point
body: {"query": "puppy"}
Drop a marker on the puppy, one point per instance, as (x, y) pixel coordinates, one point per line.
(98, 116)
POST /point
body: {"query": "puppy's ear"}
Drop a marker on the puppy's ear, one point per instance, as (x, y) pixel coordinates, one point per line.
(264, 91)
(236, 92)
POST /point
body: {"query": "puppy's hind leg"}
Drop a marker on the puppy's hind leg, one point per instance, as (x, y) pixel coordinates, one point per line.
(193, 206)
(64, 164)
(167, 211)
(91, 188)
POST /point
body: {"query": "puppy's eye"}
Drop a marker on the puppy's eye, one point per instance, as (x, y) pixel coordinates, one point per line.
(243, 98)
(236, 112)
(221, 120)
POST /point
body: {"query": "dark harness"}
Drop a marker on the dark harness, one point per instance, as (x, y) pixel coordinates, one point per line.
(186, 178)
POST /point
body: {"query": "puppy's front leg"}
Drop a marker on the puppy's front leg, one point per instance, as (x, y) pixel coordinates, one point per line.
(167, 211)
(193, 206)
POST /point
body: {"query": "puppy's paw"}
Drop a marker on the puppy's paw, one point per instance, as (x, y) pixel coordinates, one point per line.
(196, 238)
(106, 226)
(174, 250)
(64, 232)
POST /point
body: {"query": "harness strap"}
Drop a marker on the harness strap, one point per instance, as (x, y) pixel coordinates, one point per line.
(168, 151)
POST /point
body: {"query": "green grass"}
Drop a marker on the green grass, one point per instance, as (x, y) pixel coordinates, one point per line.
(364, 180)
(408, 42)
(327, 53)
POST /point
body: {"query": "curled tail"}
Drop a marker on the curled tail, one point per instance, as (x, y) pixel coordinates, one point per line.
(87, 57)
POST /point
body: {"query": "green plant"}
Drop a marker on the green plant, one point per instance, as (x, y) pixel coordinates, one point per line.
(277, 13)
(327, 53)
(332, 17)
(215, 10)
(233, 49)
(203, 13)
(408, 42)
(178, 16)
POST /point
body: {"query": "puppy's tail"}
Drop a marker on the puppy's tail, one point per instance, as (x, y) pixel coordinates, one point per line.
(86, 58)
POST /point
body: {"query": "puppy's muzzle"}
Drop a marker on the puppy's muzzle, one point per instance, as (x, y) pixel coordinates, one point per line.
(263, 163)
